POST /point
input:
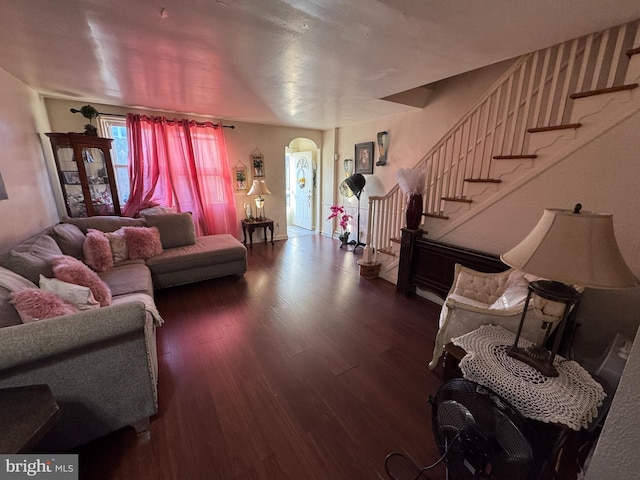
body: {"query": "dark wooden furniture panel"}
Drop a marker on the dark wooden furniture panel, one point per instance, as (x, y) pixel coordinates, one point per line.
(429, 265)
(26, 414)
(86, 174)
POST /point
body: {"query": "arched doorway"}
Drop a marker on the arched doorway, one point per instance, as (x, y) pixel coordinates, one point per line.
(301, 159)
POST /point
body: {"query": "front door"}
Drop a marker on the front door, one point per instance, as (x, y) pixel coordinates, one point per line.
(303, 192)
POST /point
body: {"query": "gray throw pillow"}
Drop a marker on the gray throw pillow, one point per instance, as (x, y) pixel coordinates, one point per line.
(69, 238)
(32, 257)
(176, 229)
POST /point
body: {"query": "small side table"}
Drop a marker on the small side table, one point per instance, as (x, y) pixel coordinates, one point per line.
(572, 398)
(26, 414)
(250, 226)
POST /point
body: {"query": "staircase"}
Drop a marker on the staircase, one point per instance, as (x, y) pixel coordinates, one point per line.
(546, 105)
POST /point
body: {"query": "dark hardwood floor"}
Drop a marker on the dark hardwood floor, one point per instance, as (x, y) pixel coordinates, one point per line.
(300, 370)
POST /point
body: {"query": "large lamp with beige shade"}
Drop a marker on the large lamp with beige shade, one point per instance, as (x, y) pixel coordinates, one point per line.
(570, 248)
(259, 187)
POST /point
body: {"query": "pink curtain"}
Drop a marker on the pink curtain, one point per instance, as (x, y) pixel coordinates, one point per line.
(181, 164)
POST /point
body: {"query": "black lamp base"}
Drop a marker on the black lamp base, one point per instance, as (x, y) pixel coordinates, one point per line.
(536, 356)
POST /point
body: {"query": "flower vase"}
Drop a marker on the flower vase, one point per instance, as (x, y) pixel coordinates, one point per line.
(414, 211)
(344, 239)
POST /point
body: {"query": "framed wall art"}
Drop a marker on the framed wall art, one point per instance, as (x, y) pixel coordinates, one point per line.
(364, 158)
(241, 177)
(257, 162)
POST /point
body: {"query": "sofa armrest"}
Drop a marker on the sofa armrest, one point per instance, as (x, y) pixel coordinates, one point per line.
(26, 343)
(100, 365)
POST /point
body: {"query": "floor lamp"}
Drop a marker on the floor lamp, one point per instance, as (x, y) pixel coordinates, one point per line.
(349, 187)
(569, 248)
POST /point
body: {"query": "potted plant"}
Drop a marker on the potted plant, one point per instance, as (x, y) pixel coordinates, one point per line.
(344, 218)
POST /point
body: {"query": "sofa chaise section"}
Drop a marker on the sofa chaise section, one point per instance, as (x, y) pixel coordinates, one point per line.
(211, 256)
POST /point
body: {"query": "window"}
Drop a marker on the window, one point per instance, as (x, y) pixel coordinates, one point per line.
(116, 128)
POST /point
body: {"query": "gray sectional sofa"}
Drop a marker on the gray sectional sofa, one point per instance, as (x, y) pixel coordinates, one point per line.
(101, 364)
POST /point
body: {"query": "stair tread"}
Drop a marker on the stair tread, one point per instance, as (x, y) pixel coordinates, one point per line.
(601, 91)
(632, 51)
(386, 252)
(511, 157)
(483, 180)
(436, 215)
(554, 127)
(457, 199)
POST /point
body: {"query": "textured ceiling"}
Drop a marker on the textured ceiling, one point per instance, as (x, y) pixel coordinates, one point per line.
(316, 64)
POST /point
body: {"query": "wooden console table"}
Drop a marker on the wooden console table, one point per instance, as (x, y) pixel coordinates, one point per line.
(250, 226)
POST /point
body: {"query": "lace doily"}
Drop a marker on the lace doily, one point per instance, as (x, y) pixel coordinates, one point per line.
(572, 398)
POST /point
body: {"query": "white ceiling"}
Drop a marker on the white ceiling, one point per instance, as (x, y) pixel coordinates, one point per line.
(315, 63)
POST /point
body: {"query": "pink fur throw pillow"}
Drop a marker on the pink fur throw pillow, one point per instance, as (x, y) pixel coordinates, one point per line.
(34, 304)
(142, 242)
(72, 270)
(97, 251)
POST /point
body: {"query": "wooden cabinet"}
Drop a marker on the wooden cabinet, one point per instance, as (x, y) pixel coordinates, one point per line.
(86, 174)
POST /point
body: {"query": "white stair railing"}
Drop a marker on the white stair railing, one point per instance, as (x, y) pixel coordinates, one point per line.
(534, 93)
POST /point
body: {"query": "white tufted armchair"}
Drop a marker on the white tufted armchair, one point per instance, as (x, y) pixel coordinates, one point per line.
(478, 298)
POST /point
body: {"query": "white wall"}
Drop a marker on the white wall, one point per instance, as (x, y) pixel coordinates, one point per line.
(241, 142)
(328, 179)
(616, 454)
(31, 204)
(412, 134)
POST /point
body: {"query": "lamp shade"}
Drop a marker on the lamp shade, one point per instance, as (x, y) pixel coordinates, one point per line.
(573, 248)
(258, 187)
(353, 185)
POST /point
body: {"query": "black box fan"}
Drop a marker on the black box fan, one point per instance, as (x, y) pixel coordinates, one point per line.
(481, 436)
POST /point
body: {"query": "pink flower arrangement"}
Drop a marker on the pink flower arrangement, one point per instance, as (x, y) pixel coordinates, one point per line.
(338, 211)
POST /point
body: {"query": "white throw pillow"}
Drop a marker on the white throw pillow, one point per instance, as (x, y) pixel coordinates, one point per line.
(513, 296)
(77, 295)
(118, 245)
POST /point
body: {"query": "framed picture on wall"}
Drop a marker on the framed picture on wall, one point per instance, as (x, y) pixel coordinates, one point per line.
(364, 158)
(257, 162)
(241, 177)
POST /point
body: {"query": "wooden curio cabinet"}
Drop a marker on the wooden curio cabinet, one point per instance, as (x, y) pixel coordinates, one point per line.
(86, 174)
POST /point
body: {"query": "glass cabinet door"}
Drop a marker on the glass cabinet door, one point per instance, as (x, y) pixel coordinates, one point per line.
(71, 182)
(95, 168)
